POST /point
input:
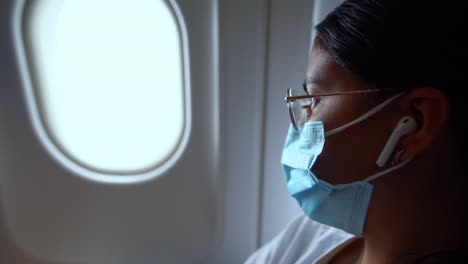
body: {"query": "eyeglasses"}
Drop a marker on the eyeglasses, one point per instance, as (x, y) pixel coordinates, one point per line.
(300, 105)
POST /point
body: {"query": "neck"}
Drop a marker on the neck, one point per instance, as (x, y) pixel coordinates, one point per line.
(409, 218)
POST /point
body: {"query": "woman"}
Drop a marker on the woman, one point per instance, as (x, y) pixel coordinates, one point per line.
(374, 155)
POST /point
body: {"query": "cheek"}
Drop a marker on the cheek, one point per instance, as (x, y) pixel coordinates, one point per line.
(325, 110)
(336, 111)
(350, 155)
(334, 163)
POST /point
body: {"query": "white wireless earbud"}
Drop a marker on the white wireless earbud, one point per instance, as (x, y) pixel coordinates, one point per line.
(406, 125)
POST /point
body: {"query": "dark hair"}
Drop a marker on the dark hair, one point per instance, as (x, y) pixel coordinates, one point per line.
(401, 44)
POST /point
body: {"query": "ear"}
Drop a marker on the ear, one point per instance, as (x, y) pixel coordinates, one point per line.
(431, 109)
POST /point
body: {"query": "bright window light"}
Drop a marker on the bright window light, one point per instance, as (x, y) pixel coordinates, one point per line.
(108, 76)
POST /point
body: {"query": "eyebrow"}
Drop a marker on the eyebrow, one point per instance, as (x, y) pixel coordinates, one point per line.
(310, 80)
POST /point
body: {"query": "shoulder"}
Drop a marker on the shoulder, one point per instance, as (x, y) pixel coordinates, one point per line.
(301, 241)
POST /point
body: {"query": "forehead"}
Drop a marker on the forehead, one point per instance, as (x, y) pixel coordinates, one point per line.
(320, 61)
(324, 74)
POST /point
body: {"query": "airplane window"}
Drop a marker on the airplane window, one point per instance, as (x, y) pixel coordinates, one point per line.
(108, 79)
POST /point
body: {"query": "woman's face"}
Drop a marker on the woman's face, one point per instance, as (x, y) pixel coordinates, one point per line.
(349, 155)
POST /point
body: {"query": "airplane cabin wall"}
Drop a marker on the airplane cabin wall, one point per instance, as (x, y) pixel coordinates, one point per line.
(224, 198)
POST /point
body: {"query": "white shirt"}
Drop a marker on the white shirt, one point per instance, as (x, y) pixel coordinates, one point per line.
(302, 241)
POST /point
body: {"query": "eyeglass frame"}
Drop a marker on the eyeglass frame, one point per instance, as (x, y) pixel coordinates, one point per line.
(288, 99)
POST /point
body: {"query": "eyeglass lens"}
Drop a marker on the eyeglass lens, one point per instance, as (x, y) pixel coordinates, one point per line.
(299, 110)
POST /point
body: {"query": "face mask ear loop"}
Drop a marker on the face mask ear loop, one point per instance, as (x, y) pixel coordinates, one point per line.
(380, 174)
(363, 117)
(377, 175)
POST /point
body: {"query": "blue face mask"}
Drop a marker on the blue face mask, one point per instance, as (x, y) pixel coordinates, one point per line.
(342, 206)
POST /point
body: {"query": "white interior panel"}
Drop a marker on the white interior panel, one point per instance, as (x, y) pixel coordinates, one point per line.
(222, 198)
(291, 27)
(289, 40)
(52, 216)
